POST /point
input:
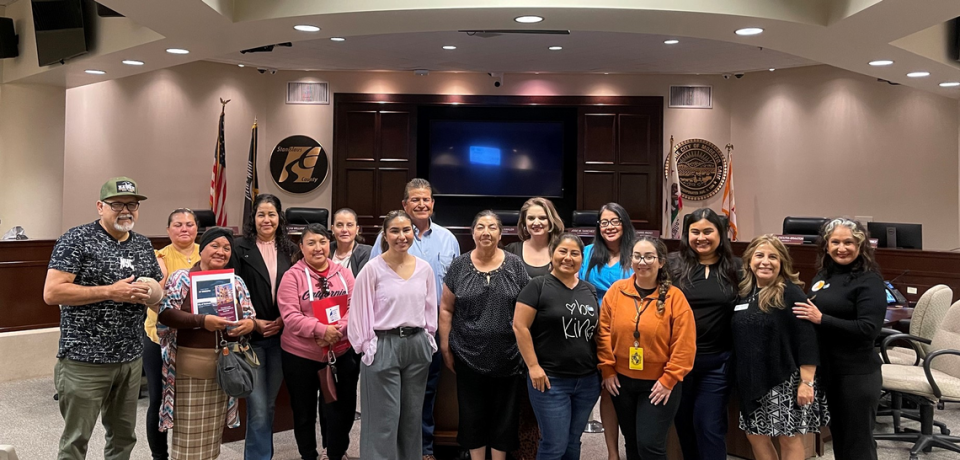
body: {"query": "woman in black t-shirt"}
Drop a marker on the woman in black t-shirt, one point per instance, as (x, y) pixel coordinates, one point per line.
(555, 319)
(477, 342)
(847, 306)
(705, 269)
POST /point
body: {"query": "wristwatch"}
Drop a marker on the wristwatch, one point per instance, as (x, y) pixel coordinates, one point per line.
(809, 384)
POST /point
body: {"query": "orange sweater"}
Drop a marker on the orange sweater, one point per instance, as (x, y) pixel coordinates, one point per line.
(669, 341)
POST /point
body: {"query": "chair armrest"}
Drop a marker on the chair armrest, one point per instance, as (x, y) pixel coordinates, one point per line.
(911, 339)
(926, 368)
(887, 332)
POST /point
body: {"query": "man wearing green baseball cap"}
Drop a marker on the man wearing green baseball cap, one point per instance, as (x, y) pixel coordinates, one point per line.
(91, 277)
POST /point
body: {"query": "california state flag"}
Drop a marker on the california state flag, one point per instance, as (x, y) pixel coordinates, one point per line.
(728, 205)
(672, 201)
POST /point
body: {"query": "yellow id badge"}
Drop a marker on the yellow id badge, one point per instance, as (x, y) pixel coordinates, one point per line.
(636, 358)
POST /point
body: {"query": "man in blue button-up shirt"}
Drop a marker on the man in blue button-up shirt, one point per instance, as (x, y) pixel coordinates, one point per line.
(439, 247)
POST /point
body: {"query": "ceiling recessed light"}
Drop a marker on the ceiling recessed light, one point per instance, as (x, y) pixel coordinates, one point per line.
(772, 70)
(606, 73)
(337, 39)
(240, 65)
(132, 62)
(750, 31)
(94, 72)
(881, 62)
(177, 51)
(671, 42)
(528, 19)
(555, 48)
(950, 84)
(918, 74)
(449, 47)
(306, 28)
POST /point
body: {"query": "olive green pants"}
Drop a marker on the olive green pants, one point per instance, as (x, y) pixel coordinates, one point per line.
(87, 391)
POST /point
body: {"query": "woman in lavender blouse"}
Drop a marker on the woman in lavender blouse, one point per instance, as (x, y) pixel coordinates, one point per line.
(393, 318)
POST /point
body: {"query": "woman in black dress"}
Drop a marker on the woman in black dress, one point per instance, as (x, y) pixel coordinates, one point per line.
(847, 306)
(477, 341)
(776, 355)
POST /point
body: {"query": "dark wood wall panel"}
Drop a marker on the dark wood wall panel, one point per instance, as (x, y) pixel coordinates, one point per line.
(638, 197)
(599, 138)
(636, 139)
(392, 182)
(359, 185)
(395, 135)
(597, 188)
(361, 130)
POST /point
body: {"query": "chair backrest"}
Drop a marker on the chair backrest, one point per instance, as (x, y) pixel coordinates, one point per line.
(809, 227)
(585, 218)
(508, 218)
(929, 312)
(205, 218)
(306, 216)
(948, 337)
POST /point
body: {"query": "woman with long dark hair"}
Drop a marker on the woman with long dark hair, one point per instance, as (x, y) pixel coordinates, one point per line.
(847, 304)
(707, 272)
(605, 262)
(646, 343)
(261, 257)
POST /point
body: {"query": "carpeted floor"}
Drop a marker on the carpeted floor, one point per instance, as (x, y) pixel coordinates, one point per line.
(30, 421)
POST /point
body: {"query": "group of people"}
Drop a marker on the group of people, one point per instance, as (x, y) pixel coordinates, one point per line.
(536, 333)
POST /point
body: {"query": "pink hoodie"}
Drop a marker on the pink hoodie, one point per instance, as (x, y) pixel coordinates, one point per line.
(300, 327)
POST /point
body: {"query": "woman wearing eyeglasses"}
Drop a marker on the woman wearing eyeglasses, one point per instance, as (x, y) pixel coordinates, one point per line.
(605, 262)
(646, 344)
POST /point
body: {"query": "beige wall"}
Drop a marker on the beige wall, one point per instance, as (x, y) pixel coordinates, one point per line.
(31, 158)
(798, 133)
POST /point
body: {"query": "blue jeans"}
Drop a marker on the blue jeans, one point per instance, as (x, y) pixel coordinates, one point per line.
(702, 416)
(262, 402)
(562, 413)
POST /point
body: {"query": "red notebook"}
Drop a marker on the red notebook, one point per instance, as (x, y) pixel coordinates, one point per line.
(329, 311)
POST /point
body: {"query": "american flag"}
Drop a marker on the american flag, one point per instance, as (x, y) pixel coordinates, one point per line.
(218, 180)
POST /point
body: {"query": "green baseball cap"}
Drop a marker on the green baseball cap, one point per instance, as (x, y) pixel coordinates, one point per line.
(120, 186)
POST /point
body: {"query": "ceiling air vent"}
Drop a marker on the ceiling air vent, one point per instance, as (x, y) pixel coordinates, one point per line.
(691, 97)
(308, 92)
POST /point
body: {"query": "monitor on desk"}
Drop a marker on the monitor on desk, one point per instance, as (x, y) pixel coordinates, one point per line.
(896, 235)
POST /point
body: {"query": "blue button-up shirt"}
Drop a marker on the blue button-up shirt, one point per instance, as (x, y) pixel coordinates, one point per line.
(437, 246)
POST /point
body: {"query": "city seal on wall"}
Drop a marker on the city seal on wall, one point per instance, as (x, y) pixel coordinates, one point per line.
(702, 168)
(299, 164)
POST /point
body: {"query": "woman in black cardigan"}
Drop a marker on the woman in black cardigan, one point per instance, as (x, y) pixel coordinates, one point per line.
(775, 355)
(847, 306)
(347, 248)
(261, 257)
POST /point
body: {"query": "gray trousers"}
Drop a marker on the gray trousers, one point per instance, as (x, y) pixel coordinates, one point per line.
(391, 398)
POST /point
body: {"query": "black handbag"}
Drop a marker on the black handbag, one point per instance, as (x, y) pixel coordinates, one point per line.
(236, 367)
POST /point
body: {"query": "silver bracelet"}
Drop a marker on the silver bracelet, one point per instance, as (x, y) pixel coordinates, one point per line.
(809, 384)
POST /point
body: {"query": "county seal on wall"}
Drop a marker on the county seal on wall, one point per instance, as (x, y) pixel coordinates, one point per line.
(702, 169)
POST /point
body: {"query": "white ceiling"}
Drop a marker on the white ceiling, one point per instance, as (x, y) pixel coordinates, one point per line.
(582, 52)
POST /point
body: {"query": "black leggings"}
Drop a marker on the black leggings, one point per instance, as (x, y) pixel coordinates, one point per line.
(645, 426)
(336, 418)
(153, 368)
(853, 403)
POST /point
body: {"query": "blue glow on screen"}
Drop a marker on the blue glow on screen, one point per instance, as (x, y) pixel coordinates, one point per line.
(484, 155)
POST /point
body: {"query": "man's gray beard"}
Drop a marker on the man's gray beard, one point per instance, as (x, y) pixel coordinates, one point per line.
(123, 227)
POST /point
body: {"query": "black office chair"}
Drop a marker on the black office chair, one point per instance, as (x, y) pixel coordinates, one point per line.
(306, 216)
(508, 218)
(585, 218)
(205, 219)
(808, 227)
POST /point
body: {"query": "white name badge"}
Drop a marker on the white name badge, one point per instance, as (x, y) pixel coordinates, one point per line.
(741, 307)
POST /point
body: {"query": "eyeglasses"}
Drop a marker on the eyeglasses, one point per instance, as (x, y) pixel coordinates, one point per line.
(607, 223)
(117, 206)
(649, 258)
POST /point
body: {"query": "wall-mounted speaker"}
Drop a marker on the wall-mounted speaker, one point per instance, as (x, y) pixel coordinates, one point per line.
(8, 39)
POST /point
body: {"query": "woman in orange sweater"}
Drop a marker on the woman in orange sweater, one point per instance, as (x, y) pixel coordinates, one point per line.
(646, 344)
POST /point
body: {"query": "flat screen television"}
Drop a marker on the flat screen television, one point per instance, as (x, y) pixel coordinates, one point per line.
(896, 235)
(59, 28)
(496, 158)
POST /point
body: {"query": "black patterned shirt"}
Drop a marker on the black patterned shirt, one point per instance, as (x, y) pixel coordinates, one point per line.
(103, 332)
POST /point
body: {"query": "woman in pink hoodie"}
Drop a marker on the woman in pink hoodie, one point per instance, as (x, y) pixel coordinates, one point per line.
(313, 341)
